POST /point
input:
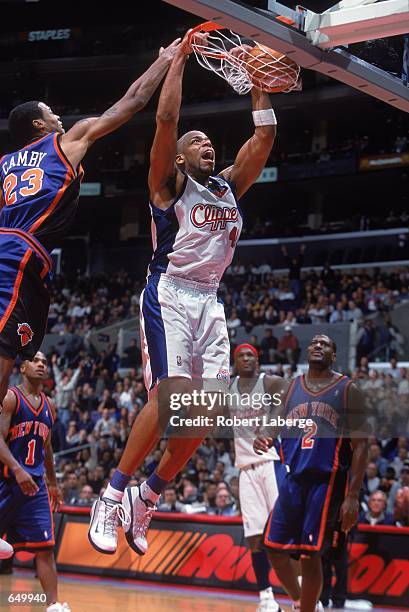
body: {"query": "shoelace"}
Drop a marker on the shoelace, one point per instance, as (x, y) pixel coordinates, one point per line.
(142, 521)
(109, 515)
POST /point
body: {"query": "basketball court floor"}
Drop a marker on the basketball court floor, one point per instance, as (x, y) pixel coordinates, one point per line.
(86, 594)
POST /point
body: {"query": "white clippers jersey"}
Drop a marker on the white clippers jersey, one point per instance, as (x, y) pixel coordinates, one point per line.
(243, 445)
(195, 238)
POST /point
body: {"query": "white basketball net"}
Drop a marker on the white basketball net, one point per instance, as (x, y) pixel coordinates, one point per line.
(224, 54)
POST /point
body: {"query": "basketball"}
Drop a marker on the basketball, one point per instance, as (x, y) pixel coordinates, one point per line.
(270, 70)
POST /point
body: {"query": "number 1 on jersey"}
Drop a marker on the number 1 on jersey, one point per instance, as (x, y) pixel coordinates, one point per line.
(307, 439)
(30, 455)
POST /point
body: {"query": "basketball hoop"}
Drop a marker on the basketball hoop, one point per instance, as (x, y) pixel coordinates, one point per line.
(243, 65)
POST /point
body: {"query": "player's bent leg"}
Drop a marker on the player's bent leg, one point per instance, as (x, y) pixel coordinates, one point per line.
(47, 574)
(311, 587)
(6, 550)
(108, 511)
(6, 366)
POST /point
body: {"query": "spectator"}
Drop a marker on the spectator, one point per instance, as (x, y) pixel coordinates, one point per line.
(105, 426)
(268, 347)
(401, 510)
(86, 496)
(210, 496)
(338, 315)
(403, 482)
(353, 313)
(372, 479)
(71, 488)
(393, 370)
(374, 456)
(170, 503)
(288, 346)
(64, 387)
(224, 504)
(294, 274)
(365, 339)
(131, 357)
(377, 514)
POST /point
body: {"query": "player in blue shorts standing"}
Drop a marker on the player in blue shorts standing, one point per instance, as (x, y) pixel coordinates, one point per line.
(26, 456)
(39, 190)
(318, 498)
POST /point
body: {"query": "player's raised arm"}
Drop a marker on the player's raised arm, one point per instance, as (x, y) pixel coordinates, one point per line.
(82, 135)
(253, 155)
(23, 478)
(358, 430)
(163, 152)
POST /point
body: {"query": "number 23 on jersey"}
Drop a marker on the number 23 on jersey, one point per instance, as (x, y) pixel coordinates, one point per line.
(28, 184)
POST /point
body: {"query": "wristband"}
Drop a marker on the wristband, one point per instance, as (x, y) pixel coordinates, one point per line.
(264, 117)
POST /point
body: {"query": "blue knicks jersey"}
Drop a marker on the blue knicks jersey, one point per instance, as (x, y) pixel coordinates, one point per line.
(320, 447)
(28, 432)
(40, 190)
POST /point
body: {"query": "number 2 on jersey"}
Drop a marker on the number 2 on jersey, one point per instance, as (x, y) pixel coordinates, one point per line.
(33, 179)
(30, 455)
(308, 439)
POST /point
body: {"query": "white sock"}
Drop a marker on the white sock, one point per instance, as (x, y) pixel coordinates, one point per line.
(113, 494)
(267, 594)
(148, 494)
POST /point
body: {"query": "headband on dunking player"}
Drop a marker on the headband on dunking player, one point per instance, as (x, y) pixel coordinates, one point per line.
(245, 346)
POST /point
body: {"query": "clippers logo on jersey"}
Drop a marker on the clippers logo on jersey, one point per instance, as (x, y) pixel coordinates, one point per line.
(25, 332)
(216, 217)
(218, 190)
(195, 237)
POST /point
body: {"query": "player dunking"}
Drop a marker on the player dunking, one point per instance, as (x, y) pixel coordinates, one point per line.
(39, 190)
(316, 503)
(260, 476)
(26, 456)
(196, 223)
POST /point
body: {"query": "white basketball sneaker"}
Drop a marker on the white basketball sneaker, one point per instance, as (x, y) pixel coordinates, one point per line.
(103, 528)
(267, 602)
(141, 512)
(6, 550)
(59, 607)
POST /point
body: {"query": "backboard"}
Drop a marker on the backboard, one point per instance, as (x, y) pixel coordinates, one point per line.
(327, 41)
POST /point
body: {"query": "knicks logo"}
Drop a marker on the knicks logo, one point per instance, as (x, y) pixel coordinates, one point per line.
(25, 332)
(215, 216)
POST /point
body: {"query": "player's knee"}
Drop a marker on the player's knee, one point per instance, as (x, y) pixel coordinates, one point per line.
(278, 559)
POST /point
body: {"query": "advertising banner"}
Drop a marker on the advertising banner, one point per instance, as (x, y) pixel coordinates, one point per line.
(199, 550)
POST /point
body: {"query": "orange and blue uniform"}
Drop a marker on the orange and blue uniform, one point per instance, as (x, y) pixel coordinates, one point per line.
(306, 515)
(39, 198)
(27, 520)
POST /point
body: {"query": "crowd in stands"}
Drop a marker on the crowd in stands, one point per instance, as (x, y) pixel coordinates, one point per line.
(99, 393)
(253, 295)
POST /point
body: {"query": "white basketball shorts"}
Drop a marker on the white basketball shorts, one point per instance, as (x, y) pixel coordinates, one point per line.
(258, 491)
(183, 331)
